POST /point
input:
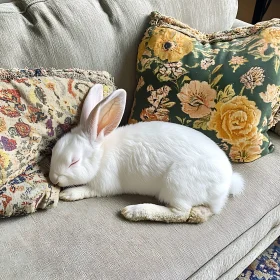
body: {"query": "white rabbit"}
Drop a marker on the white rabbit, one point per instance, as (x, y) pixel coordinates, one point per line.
(176, 164)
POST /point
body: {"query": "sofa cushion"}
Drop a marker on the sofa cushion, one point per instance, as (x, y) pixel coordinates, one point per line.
(37, 106)
(91, 34)
(276, 128)
(88, 239)
(266, 266)
(224, 84)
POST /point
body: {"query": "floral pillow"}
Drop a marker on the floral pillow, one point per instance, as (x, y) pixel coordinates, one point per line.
(225, 84)
(37, 107)
(27, 192)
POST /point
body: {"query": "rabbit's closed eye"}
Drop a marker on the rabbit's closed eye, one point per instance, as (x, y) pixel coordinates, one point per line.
(74, 162)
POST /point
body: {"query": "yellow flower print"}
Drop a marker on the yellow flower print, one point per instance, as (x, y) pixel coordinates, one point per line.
(159, 97)
(235, 120)
(237, 61)
(50, 86)
(254, 77)
(263, 47)
(170, 71)
(197, 99)
(271, 95)
(277, 50)
(223, 146)
(245, 152)
(169, 44)
(142, 46)
(264, 124)
(106, 90)
(140, 83)
(141, 49)
(153, 114)
(159, 111)
(4, 159)
(275, 114)
(2, 125)
(132, 121)
(215, 51)
(34, 81)
(73, 111)
(33, 98)
(271, 35)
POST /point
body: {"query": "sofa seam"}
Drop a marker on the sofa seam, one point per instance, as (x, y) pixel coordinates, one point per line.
(25, 8)
(234, 241)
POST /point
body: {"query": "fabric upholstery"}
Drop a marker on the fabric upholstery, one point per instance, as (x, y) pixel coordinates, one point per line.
(92, 34)
(264, 258)
(37, 106)
(240, 23)
(224, 84)
(88, 239)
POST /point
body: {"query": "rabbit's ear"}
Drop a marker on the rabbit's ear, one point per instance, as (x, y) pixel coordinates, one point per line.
(107, 115)
(94, 96)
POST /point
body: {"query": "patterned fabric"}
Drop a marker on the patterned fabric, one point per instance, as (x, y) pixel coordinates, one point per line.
(36, 107)
(225, 84)
(27, 192)
(266, 266)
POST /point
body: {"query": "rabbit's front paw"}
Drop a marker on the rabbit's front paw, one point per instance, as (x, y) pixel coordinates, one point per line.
(72, 194)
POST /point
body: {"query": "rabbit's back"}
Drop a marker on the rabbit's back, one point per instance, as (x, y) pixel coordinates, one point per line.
(170, 139)
(145, 154)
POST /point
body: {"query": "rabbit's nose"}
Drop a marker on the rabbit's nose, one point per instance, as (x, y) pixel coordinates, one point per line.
(54, 178)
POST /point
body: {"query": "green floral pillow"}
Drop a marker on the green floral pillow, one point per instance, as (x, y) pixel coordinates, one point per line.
(37, 106)
(225, 84)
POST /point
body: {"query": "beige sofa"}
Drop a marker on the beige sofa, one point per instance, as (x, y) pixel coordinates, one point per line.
(88, 239)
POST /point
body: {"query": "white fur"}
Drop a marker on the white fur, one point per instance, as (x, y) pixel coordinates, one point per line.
(237, 184)
(178, 165)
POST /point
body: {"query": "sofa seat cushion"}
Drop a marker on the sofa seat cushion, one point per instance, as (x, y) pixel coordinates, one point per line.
(88, 239)
(266, 265)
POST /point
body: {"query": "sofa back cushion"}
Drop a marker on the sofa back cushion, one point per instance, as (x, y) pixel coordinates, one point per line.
(97, 35)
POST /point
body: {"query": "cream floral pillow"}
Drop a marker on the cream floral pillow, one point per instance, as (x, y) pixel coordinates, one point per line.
(36, 107)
